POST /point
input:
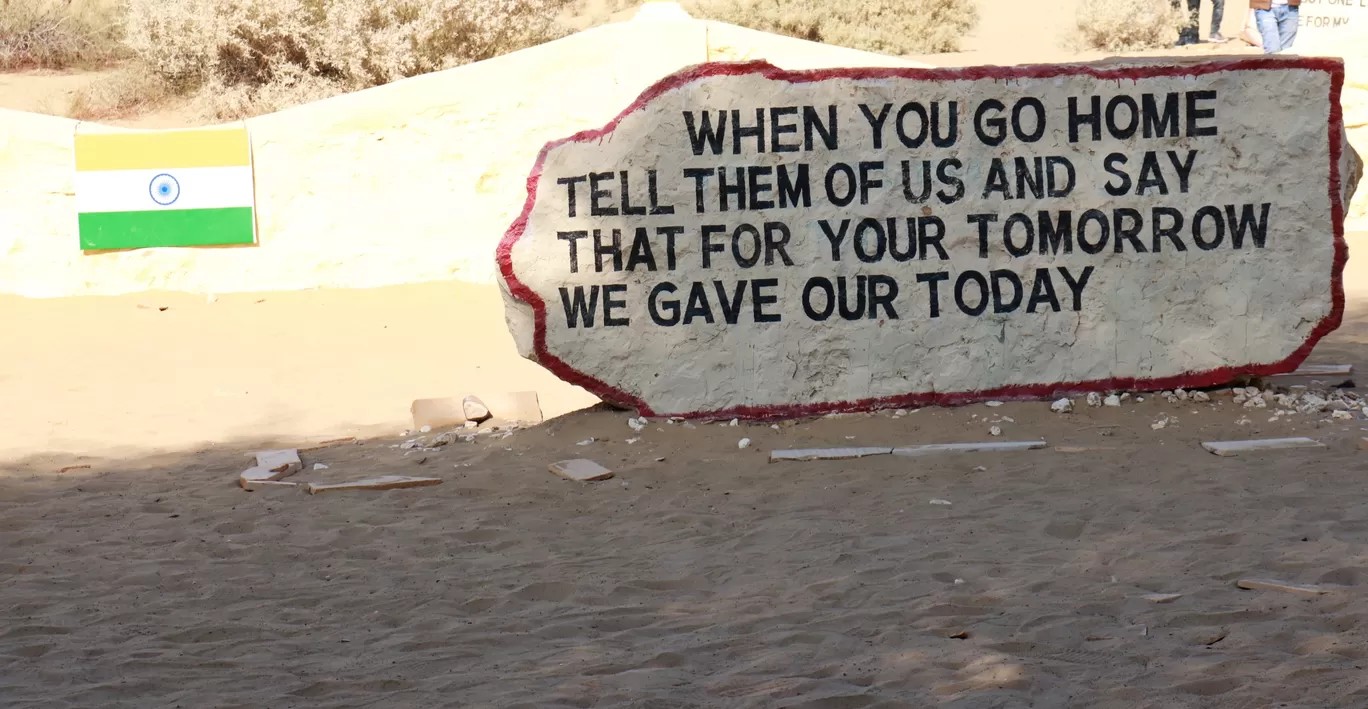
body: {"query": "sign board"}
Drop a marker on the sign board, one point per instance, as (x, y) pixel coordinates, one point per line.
(748, 241)
(1326, 18)
(140, 189)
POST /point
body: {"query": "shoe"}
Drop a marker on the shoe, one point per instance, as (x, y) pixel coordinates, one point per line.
(1217, 38)
(1185, 40)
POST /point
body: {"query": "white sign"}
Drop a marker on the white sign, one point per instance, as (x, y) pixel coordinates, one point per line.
(754, 242)
(1324, 18)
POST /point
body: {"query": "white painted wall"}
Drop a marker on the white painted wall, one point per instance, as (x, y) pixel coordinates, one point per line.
(409, 182)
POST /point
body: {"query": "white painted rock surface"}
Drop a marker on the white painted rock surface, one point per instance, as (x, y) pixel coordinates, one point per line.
(671, 267)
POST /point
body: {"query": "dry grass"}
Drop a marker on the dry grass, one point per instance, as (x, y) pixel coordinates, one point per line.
(887, 26)
(127, 92)
(57, 34)
(1126, 25)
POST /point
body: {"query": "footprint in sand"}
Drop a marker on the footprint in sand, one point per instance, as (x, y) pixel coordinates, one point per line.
(1067, 527)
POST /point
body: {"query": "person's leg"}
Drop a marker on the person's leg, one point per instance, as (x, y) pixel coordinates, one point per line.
(1287, 26)
(1217, 16)
(1268, 29)
(1190, 34)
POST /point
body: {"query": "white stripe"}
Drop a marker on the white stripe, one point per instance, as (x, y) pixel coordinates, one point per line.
(131, 190)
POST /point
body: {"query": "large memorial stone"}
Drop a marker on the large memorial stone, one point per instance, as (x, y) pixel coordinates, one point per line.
(747, 241)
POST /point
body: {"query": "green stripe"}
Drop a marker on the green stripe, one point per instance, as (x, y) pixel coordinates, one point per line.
(170, 227)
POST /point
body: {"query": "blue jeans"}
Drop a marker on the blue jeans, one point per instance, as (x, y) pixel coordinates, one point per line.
(1278, 26)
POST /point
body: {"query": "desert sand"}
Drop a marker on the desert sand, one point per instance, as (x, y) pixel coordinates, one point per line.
(136, 573)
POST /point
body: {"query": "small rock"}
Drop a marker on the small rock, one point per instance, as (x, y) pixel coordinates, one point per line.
(994, 431)
(1240, 398)
(1125, 395)
(475, 410)
(733, 422)
(743, 444)
(959, 582)
(1251, 391)
(442, 439)
(1182, 395)
(1256, 403)
(384, 482)
(586, 441)
(1094, 399)
(281, 461)
(940, 502)
(1140, 398)
(993, 404)
(1062, 406)
(1159, 423)
(581, 470)
(630, 441)
(1112, 400)
(635, 424)
(900, 412)
(320, 466)
(981, 469)
(1009, 419)
(1342, 415)
(1162, 597)
(409, 445)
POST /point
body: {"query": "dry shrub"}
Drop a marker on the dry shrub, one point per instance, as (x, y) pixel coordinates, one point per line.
(56, 34)
(885, 26)
(251, 56)
(124, 93)
(1127, 25)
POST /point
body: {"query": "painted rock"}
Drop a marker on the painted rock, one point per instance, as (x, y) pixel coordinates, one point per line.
(747, 241)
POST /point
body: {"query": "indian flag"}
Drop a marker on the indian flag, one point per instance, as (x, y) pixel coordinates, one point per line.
(164, 188)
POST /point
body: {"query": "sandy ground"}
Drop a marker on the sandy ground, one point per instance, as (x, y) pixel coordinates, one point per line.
(135, 573)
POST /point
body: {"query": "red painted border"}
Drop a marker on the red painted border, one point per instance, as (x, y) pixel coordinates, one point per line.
(1334, 67)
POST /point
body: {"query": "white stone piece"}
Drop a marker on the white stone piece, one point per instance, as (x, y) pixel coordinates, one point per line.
(945, 503)
(826, 453)
(685, 339)
(743, 444)
(1229, 448)
(1111, 400)
(437, 413)
(994, 431)
(993, 404)
(636, 425)
(1160, 423)
(284, 461)
(985, 447)
(1094, 399)
(1162, 597)
(319, 466)
(1272, 585)
(1062, 406)
(1180, 394)
(475, 409)
(384, 482)
(255, 478)
(1342, 415)
(581, 470)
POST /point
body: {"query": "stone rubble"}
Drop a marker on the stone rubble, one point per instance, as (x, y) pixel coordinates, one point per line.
(1094, 399)
(1111, 400)
(1062, 406)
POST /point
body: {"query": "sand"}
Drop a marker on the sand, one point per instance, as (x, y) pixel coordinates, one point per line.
(136, 573)
(708, 579)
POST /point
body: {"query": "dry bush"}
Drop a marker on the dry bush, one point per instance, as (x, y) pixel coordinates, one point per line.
(885, 26)
(126, 92)
(354, 43)
(1126, 25)
(56, 34)
(245, 57)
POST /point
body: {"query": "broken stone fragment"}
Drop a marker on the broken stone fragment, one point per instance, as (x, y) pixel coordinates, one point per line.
(384, 482)
(1180, 394)
(1200, 396)
(581, 470)
(475, 410)
(994, 431)
(1111, 400)
(1061, 406)
(1094, 399)
(442, 439)
(251, 478)
(281, 461)
(437, 413)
